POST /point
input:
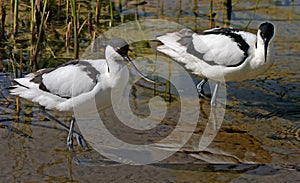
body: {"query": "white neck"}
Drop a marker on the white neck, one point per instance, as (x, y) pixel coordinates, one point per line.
(114, 60)
(259, 63)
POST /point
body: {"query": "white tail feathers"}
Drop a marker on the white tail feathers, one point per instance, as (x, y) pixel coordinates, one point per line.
(30, 91)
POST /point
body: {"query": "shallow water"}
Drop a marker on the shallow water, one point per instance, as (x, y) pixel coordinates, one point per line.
(258, 141)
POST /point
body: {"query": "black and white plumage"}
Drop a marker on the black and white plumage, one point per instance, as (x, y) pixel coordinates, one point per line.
(77, 83)
(221, 54)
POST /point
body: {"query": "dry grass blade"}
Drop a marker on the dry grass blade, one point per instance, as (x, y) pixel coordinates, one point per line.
(41, 33)
(75, 27)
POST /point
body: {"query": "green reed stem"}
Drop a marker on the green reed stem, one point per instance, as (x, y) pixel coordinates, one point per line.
(67, 12)
(42, 21)
(40, 35)
(32, 24)
(32, 16)
(13, 68)
(98, 11)
(75, 28)
(211, 12)
(228, 5)
(17, 109)
(16, 14)
(111, 13)
(68, 36)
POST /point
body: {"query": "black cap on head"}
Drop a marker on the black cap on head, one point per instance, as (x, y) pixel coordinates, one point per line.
(266, 31)
(120, 46)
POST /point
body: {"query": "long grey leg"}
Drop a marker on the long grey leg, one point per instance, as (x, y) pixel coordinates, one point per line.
(213, 98)
(74, 133)
(200, 86)
(70, 135)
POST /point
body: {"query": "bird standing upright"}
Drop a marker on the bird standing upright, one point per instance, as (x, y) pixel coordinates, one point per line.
(77, 84)
(221, 54)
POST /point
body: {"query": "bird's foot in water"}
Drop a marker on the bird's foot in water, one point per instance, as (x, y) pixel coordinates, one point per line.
(80, 140)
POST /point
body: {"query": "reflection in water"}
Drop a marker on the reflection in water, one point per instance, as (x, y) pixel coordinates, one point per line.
(228, 5)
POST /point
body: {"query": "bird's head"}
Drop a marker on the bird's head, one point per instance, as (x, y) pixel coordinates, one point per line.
(117, 49)
(265, 35)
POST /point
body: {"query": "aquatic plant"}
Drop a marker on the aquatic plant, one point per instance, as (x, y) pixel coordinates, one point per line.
(75, 27)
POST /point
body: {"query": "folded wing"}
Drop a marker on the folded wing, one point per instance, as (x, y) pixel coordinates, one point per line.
(220, 46)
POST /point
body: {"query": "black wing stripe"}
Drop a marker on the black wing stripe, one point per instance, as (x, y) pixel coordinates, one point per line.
(91, 71)
(242, 44)
(231, 33)
(88, 68)
(38, 79)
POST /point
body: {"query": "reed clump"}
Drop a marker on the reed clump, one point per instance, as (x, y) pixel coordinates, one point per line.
(34, 31)
(44, 33)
